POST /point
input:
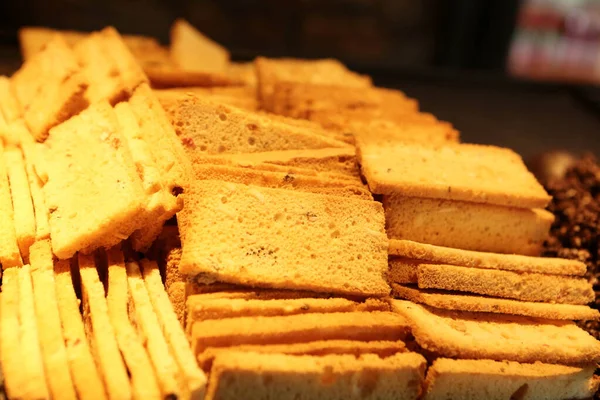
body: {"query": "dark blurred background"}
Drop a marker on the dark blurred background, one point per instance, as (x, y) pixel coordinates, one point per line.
(521, 74)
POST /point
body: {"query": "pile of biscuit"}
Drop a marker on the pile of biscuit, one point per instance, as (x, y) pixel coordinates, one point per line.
(176, 225)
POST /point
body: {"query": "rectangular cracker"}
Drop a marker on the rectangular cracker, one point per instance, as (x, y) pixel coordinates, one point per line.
(300, 328)
(237, 374)
(499, 337)
(403, 270)
(525, 286)
(428, 253)
(173, 331)
(296, 252)
(481, 174)
(340, 160)
(482, 227)
(21, 199)
(144, 384)
(10, 255)
(86, 377)
(328, 71)
(169, 156)
(31, 351)
(384, 132)
(100, 331)
(201, 308)
(205, 128)
(318, 348)
(475, 303)
(282, 180)
(495, 380)
(50, 87)
(93, 192)
(52, 341)
(165, 366)
(191, 50)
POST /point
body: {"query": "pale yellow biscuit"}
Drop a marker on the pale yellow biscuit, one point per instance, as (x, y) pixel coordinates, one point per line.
(193, 51)
(10, 255)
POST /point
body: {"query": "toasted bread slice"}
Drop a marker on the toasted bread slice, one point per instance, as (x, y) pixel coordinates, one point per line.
(201, 308)
(282, 180)
(482, 227)
(169, 156)
(193, 51)
(385, 132)
(239, 292)
(403, 270)
(86, 376)
(10, 255)
(205, 127)
(482, 174)
(173, 331)
(20, 352)
(99, 203)
(498, 337)
(244, 72)
(241, 374)
(476, 379)
(474, 303)
(50, 87)
(101, 333)
(21, 199)
(341, 160)
(300, 328)
(318, 348)
(515, 285)
(9, 106)
(243, 97)
(357, 268)
(428, 254)
(144, 383)
(52, 341)
(270, 72)
(165, 366)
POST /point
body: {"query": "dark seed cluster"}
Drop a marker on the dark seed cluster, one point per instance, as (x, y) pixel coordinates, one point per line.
(575, 233)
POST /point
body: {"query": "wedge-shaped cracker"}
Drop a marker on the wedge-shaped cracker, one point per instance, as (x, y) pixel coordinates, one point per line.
(93, 192)
(282, 180)
(515, 285)
(205, 127)
(296, 254)
(495, 380)
(240, 374)
(318, 348)
(403, 270)
(169, 157)
(31, 352)
(191, 50)
(199, 308)
(21, 199)
(165, 366)
(100, 331)
(50, 88)
(144, 384)
(482, 227)
(467, 302)
(195, 380)
(10, 255)
(365, 326)
(270, 72)
(340, 160)
(428, 254)
(9, 107)
(86, 377)
(482, 174)
(497, 336)
(52, 341)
